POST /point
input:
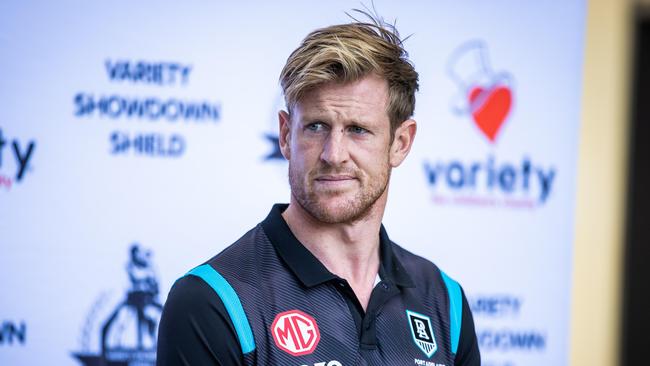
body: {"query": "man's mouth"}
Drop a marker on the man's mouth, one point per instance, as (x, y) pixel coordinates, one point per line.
(335, 180)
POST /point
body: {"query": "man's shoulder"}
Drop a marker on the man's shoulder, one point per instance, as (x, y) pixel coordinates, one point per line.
(412, 261)
(243, 248)
(421, 270)
(237, 262)
(189, 298)
(234, 263)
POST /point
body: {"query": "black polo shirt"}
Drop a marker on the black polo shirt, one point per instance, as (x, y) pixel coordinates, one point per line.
(266, 300)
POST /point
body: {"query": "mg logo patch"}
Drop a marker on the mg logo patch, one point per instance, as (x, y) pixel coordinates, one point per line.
(295, 332)
(422, 332)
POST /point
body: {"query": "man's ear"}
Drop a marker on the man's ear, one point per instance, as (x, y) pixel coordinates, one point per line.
(402, 142)
(284, 138)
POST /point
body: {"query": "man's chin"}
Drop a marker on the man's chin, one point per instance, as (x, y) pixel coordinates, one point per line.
(336, 211)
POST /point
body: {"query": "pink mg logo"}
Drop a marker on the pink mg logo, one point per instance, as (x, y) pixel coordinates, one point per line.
(295, 332)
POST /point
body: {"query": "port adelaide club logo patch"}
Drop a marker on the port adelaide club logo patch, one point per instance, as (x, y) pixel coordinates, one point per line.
(422, 332)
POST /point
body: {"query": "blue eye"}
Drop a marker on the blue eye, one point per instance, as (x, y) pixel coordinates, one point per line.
(315, 127)
(358, 130)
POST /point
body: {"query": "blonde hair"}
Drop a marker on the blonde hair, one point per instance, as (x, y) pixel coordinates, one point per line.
(348, 52)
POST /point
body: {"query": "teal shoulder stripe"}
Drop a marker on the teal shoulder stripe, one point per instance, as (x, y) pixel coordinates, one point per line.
(455, 310)
(230, 301)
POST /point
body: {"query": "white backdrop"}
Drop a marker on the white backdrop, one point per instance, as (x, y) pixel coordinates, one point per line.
(152, 122)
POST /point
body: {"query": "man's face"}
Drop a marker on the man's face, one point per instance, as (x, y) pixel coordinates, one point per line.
(338, 145)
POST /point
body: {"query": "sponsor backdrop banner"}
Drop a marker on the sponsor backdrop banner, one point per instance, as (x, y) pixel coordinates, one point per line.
(138, 139)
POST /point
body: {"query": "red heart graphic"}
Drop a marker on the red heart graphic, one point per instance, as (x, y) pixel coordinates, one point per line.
(490, 107)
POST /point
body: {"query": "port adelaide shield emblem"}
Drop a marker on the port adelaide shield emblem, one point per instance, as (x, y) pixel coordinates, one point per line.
(422, 332)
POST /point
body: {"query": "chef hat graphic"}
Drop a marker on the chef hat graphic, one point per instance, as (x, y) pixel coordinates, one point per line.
(469, 67)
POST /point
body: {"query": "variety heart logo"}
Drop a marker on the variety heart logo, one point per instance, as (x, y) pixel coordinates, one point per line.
(487, 95)
(489, 108)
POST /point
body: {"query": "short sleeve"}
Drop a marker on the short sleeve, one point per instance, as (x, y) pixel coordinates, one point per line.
(195, 328)
(468, 353)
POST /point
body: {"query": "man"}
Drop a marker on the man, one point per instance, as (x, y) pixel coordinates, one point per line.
(318, 282)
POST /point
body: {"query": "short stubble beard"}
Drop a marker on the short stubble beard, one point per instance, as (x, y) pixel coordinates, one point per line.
(347, 212)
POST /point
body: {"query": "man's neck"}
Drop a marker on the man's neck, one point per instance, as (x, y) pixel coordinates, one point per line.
(349, 250)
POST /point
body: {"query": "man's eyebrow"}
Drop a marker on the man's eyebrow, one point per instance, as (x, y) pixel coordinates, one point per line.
(320, 116)
(327, 118)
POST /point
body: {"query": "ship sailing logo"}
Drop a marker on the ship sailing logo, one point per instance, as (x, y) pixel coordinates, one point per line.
(128, 335)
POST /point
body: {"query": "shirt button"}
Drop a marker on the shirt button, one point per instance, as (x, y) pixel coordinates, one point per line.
(342, 284)
(385, 286)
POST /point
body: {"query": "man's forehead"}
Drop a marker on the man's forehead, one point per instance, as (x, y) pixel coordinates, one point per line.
(367, 95)
(368, 84)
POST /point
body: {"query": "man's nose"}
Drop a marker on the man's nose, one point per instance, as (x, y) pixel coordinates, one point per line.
(335, 151)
